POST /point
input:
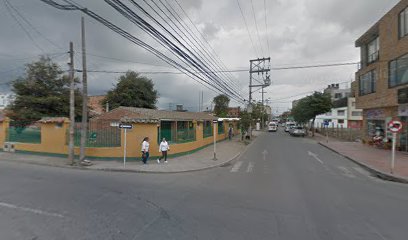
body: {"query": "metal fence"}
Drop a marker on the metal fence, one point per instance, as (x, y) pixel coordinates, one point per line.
(23, 133)
(99, 134)
(221, 129)
(347, 134)
(185, 131)
(207, 129)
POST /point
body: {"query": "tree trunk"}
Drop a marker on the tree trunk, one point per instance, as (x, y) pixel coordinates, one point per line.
(313, 122)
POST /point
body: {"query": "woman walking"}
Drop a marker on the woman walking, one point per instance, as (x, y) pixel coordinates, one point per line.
(164, 147)
(145, 150)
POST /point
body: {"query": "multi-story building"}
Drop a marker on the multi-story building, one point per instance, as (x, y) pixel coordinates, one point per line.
(336, 92)
(343, 115)
(381, 86)
(6, 99)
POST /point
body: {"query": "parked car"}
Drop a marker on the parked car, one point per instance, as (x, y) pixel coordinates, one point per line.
(288, 126)
(298, 131)
(272, 127)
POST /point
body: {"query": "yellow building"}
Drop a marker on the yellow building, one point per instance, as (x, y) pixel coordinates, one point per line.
(185, 132)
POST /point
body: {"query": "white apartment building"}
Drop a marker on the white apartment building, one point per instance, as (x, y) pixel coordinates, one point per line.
(343, 115)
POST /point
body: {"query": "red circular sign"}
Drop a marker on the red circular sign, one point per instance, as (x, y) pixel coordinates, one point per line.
(395, 126)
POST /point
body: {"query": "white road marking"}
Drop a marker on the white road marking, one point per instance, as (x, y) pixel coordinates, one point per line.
(346, 172)
(361, 171)
(250, 167)
(314, 155)
(264, 153)
(236, 166)
(25, 209)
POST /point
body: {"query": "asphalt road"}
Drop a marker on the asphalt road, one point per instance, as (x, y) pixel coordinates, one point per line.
(281, 188)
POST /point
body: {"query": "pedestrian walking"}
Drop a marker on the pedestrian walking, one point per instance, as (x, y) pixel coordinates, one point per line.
(145, 150)
(163, 148)
(230, 133)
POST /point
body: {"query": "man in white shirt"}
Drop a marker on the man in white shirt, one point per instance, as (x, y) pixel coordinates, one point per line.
(163, 148)
(145, 150)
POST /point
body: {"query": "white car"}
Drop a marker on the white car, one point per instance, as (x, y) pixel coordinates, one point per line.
(288, 126)
(272, 127)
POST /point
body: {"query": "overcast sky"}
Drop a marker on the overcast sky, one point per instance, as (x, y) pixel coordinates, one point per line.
(300, 32)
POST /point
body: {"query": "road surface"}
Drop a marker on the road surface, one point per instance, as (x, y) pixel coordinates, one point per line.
(282, 187)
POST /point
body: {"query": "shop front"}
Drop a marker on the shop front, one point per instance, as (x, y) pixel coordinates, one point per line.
(375, 122)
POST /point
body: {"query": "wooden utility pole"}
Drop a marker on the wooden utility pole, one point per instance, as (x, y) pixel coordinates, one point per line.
(84, 126)
(71, 154)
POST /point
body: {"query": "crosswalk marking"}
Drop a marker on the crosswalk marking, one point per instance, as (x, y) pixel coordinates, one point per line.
(250, 167)
(236, 166)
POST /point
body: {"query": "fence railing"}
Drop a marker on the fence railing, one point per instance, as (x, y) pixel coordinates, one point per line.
(185, 135)
(348, 134)
(29, 134)
(99, 134)
(207, 131)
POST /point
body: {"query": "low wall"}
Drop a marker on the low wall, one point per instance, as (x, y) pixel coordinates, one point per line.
(54, 141)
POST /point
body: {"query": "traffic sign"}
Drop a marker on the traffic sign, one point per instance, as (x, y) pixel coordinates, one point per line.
(125, 126)
(395, 126)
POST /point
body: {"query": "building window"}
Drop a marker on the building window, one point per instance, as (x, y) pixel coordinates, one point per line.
(403, 23)
(376, 128)
(373, 49)
(356, 114)
(341, 112)
(398, 74)
(367, 83)
(338, 95)
(340, 121)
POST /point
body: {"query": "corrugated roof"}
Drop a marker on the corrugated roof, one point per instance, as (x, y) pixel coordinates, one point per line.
(131, 114)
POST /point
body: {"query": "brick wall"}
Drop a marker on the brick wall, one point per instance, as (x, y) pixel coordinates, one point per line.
(391, 47)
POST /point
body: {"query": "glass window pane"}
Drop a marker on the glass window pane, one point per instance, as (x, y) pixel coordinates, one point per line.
(405, 22)
(393, 73)
(402, 71)
(402, 24)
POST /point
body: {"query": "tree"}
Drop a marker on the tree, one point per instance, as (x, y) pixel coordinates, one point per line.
(42, 92)
(309, 107)
(132, 90)
(221, 103)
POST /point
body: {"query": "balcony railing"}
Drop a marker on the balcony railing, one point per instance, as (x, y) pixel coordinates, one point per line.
(373, 57)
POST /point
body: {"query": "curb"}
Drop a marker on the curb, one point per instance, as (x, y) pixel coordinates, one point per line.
(379, 174)
(162, 172)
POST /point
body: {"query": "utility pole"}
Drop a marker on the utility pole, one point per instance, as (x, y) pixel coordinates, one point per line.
(258, 66)
(84, 95)
(71, 154)
(263, 109)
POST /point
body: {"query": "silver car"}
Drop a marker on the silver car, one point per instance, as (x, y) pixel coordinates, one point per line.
(298, 131)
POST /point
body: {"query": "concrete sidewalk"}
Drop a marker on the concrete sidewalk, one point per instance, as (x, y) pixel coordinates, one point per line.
(200, 160)
(377, 161)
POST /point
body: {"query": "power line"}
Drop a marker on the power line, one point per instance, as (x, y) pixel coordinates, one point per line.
(185, 55)
(235, 70)
(301, 94)
(266, 27)
(200, 55)
(201, 47)
(21, 26)
(256, 26)
(203, 37)
(153, 32)
(249, 33)
(32, 26)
